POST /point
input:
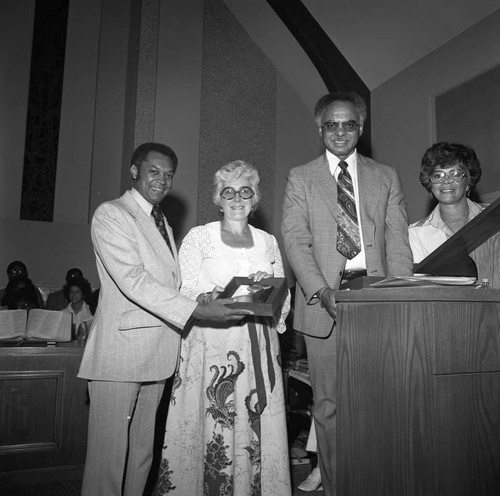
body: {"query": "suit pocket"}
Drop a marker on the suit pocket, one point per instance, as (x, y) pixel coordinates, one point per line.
(137, 319)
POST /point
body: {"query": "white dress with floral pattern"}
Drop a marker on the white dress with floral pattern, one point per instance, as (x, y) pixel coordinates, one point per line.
(216, 442)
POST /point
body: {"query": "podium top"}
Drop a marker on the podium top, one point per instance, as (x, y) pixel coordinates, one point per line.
(431, 294)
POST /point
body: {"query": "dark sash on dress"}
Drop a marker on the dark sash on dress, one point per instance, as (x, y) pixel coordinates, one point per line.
(259, 375)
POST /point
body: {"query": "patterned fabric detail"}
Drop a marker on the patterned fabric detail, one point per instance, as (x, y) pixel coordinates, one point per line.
(160, 224)
(216, 461)
(199, 246)
(164, 485)
(348, 238)
(221, 388)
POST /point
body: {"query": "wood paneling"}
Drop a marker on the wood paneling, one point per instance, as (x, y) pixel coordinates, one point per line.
(43, 411)
(418, 392)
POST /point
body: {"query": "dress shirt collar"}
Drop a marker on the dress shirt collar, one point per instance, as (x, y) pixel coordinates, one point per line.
(435, 219)
(143, 203)
(333, 162)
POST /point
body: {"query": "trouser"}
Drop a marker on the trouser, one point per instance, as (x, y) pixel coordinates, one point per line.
(120, 437)
(322, 360)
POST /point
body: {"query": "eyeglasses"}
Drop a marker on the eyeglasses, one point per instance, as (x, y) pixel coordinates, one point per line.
(244, 193)
(332, 126)
(442, 176)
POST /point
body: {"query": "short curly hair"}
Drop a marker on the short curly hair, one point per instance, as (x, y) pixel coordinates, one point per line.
(444, 155)
(232, 172)
(341, 96)
(84, 287)
(141, 153)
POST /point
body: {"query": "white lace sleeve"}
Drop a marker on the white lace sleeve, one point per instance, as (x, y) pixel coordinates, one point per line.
(190, 258)
(279, 272)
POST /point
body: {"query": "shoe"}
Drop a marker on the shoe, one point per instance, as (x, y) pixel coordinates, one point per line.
(313, 482)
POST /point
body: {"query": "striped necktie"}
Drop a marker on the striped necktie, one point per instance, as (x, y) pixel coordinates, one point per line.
(348, 237)
(160, 224)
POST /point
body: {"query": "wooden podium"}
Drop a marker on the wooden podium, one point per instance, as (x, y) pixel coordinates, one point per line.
(418, 392)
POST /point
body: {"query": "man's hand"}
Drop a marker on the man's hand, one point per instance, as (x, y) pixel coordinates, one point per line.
(328, 301)
(210, 296)
(218, 312)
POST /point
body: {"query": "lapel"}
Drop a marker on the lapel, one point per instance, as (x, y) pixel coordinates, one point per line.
(149, 229)
(369, 184)
(325, 183)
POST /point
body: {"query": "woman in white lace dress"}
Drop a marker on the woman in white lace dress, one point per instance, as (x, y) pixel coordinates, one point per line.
(226, 425)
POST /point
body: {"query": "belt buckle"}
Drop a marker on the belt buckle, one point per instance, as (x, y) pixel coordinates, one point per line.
(349, 275)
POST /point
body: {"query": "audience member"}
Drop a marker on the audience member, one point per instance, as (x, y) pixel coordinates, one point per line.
(450, 172)
(78, 308)
(18, 268)
(20, 293)
(57, 299)
(343, 214)
(82, 332)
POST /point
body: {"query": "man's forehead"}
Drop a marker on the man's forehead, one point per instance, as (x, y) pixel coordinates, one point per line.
(159, 160)
(340, 107)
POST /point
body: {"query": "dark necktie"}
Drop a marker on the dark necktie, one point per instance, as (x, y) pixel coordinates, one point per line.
(160, 224)
(348, 238)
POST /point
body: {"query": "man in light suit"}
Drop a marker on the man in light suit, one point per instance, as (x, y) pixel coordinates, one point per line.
(134, 340)
(310, 218)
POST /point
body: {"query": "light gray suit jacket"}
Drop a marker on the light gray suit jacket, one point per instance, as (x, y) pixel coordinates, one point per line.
(135, 334)
(310, 233)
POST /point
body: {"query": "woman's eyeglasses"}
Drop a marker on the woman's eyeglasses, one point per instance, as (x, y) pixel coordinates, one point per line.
(244, 193)
(442, 176)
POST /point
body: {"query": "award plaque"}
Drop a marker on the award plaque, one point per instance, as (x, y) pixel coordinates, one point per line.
(264, 298)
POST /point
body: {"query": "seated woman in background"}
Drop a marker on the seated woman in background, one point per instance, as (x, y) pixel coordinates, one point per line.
(221, 437)
(450, 172)
(82, 331)
(80, 310)
(20, 293)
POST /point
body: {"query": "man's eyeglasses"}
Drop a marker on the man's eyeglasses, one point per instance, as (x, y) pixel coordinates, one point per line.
(332, 126)
(244, 193)
(441, 176)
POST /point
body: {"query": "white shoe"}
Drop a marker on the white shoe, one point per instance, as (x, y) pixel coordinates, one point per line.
(313, 481)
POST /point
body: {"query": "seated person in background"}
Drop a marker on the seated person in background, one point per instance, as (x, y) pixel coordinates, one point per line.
(18, 269)
(56, 300)
(20, 293)
(82, 331)
(95, 298)
(449, 172)
(80, 310)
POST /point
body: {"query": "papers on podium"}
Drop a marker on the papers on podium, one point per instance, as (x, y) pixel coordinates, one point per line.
(35, 325)
(423, 280)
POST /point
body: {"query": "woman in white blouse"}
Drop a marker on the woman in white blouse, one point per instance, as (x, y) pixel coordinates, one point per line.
(226, 426)
(450, 172)
(77, 307)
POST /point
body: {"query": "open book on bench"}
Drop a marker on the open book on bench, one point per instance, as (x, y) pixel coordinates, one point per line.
(36, 324)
